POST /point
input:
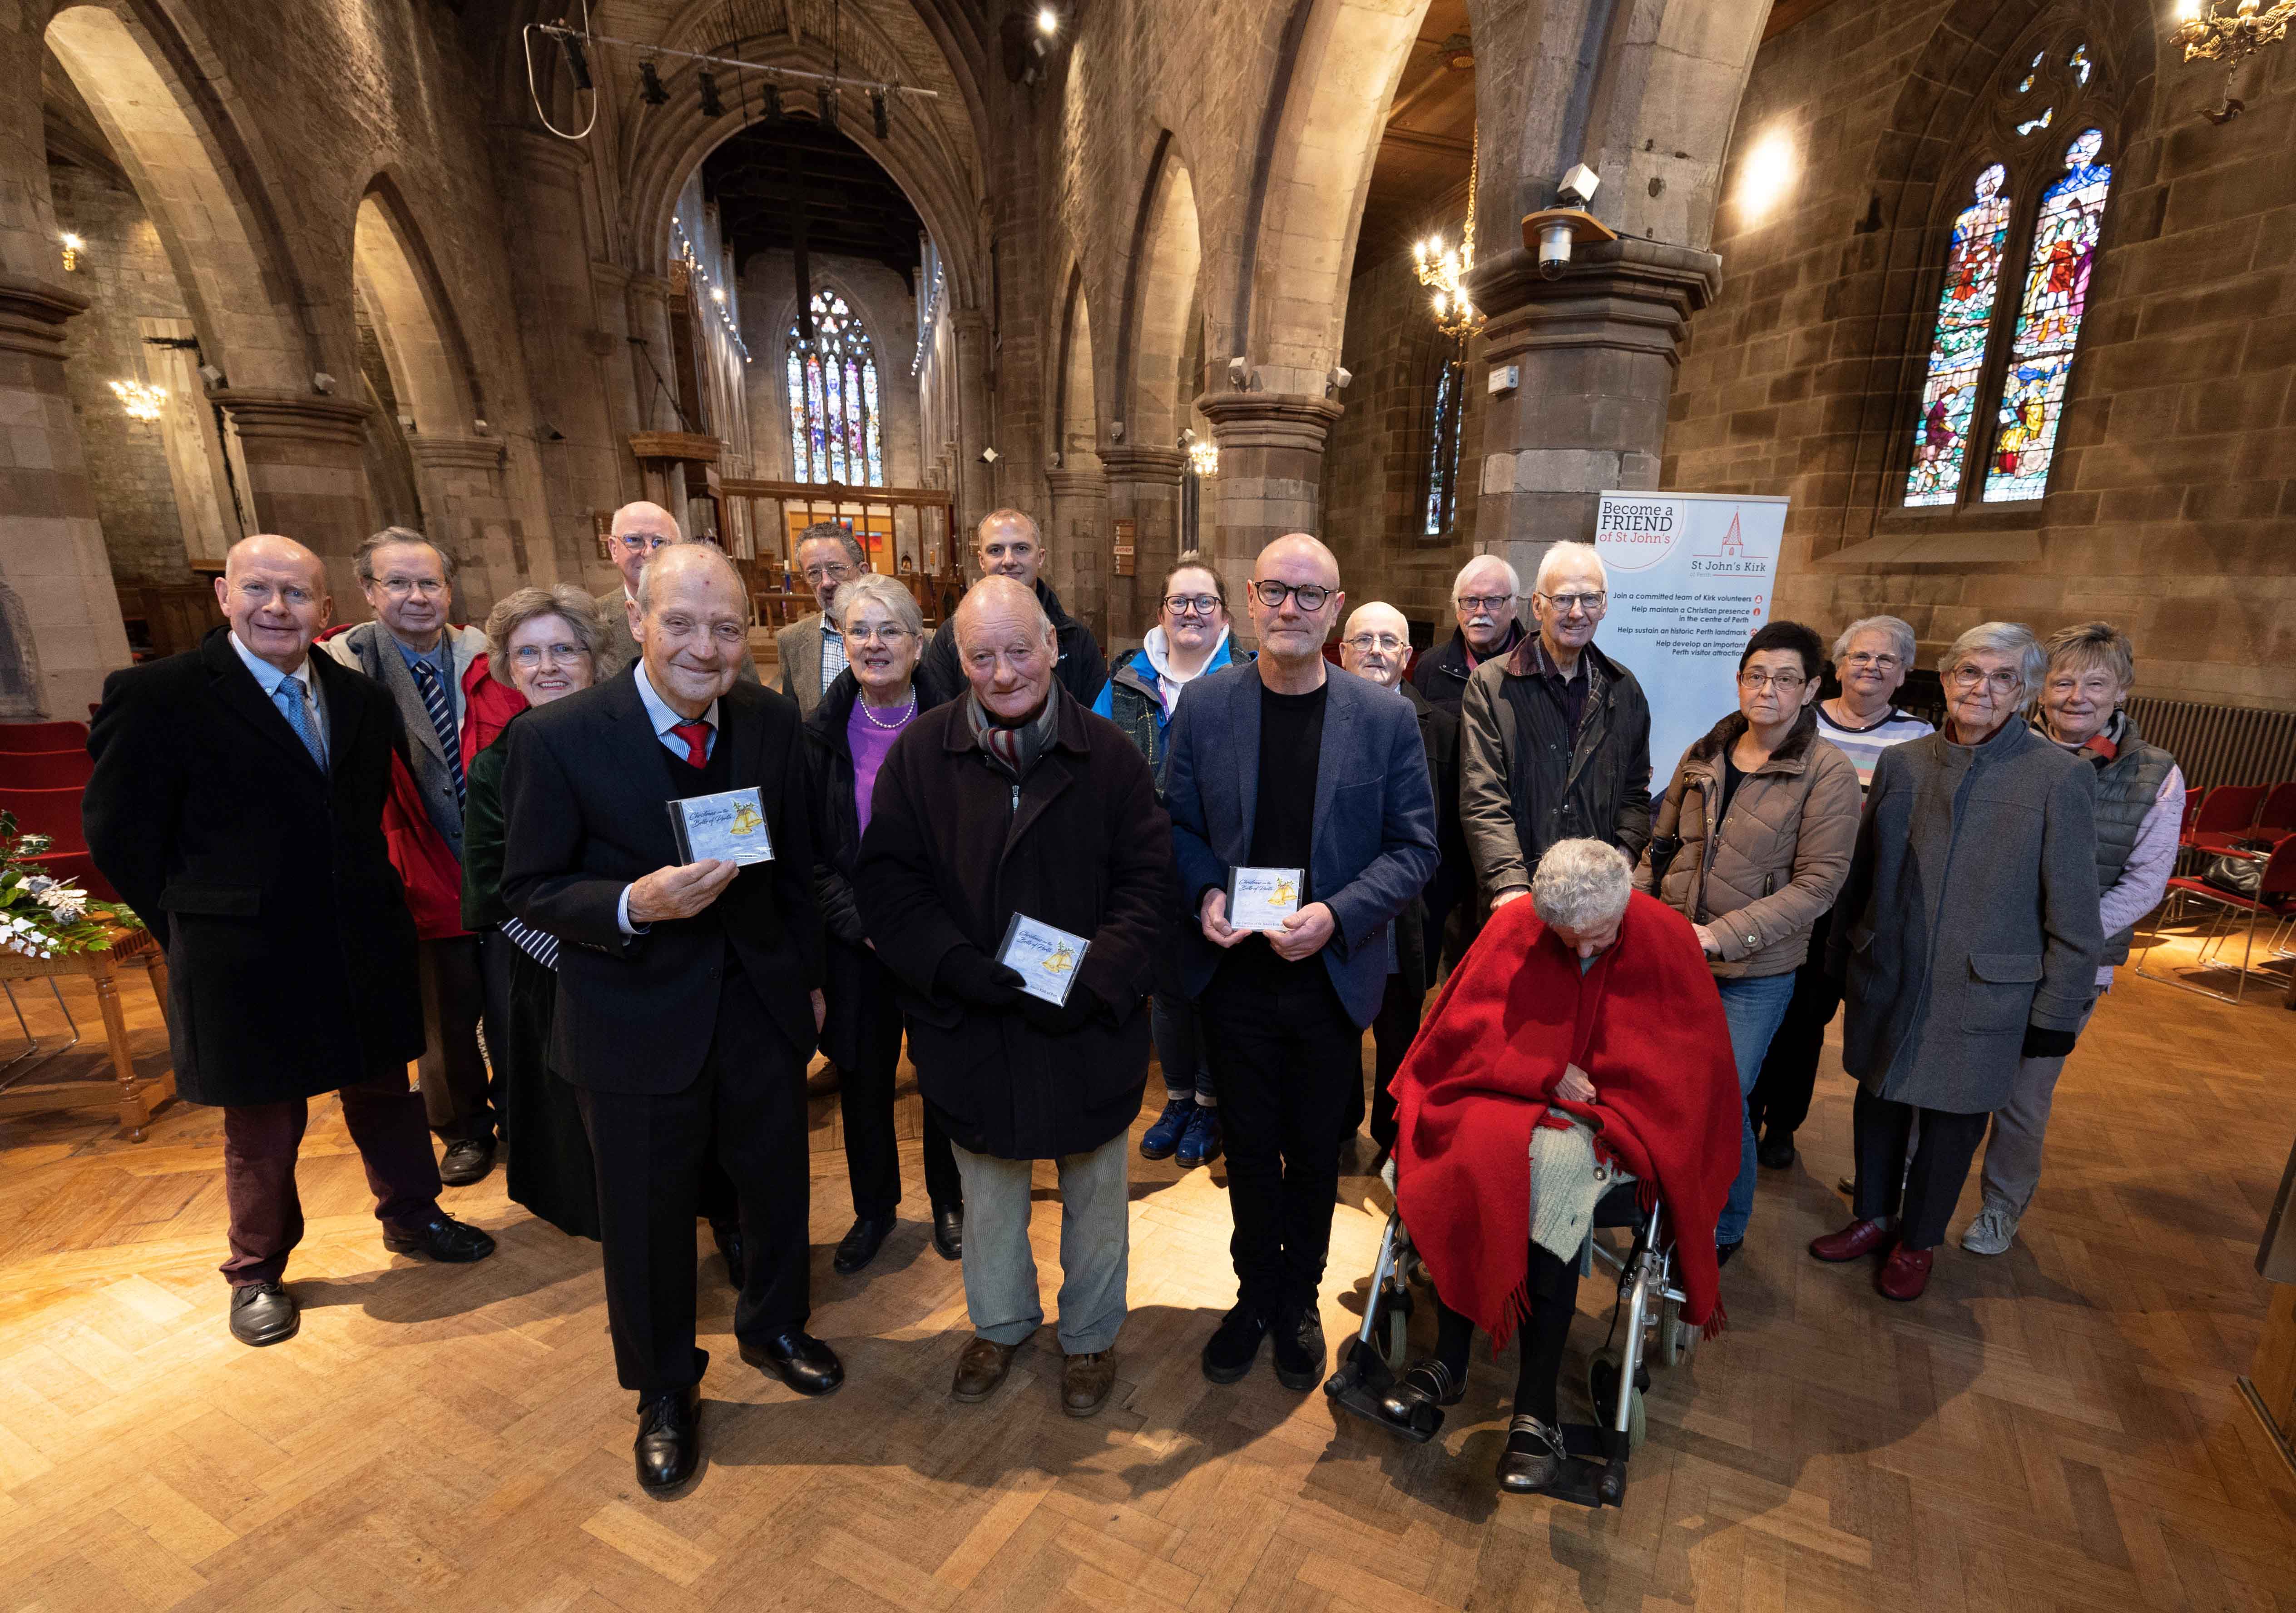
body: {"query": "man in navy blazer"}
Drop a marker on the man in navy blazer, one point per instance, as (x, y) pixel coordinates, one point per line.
(1291, 762)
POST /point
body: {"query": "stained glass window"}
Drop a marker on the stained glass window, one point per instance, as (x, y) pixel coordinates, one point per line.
(1972, 280)
(2041, 122)
(835, 433)
(1443, 450)
(2048, 323)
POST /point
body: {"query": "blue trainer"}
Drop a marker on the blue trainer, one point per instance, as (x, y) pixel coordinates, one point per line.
(1200, 1144)
(1160, 1140)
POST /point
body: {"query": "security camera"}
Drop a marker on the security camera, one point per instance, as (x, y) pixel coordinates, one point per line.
(322, 382)
(1116, 431)
(211, 376)
(1551, 232)
(1579, 186)
(1238, 372)
(1553, 248)
(990, 456)
(1339, 376)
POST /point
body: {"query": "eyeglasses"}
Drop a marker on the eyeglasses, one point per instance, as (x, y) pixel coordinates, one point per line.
(1478, 604)
(532, 655)
(1785, 683)
(399, 588)
(1880, 664)
(1310, 596)
(1384, 644)
(827, 573)
(871, 633)
(1965, 678)
(638, 543)
(1565, 603)
(1192, 605)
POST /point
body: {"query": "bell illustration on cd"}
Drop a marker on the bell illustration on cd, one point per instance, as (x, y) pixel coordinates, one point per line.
(1285, 893)
(747, 820)
(1060, 960)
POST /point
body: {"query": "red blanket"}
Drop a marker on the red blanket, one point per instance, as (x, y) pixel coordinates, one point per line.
(1644, 1023)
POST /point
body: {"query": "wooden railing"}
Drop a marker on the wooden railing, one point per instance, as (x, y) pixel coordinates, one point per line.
(894, 524)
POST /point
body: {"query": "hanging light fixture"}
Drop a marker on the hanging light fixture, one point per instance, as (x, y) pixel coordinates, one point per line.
(71, 254)
(141, 402)
(711, 106)
(1203, 456)
(650, 85)
(2231, 32)
(1443, 268)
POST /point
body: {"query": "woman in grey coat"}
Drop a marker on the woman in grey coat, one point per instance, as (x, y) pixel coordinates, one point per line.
(1968, 936)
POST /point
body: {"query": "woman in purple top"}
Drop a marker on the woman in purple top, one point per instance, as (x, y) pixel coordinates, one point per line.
(849, 735)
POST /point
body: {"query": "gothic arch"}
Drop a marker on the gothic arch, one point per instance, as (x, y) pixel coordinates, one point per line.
(1161, 296)
(1076, 412)
(415, 318)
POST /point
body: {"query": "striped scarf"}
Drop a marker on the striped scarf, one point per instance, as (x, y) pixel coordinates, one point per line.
(1015, 750)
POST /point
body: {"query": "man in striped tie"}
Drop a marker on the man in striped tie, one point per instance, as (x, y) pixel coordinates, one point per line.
(411, 650)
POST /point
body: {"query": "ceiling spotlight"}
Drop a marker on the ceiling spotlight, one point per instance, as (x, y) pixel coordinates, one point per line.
(1048, 21)
(877, 115)
(649, 89)
(578, 61)
(772, 103)
(711, 107)
(826, 98)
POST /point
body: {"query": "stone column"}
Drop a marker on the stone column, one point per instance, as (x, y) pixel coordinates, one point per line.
(306, 476)
(976, 485)
(467, 495)
(656, 369)
(1078, 530)
(1271, 474)
(1143, 487)
(60, 626)
(1597, 350)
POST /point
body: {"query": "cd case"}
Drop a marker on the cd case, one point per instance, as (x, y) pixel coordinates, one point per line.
(730, 825)
(1046, 958)
(1262, 898)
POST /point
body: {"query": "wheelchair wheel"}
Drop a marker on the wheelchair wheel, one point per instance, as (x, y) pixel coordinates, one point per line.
(1603, 1389)
(1676, 1339)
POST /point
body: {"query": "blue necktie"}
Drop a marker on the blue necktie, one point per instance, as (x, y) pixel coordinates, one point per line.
(540, 945)
(442, 717)
(289, 693)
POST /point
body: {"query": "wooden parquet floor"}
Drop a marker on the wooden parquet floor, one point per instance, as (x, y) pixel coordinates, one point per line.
(2058, 1427)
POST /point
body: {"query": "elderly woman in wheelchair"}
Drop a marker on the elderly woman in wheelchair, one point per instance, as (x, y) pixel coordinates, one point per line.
(1576, 1072)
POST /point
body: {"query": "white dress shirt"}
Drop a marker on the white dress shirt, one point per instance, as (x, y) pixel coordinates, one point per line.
(268, 678)
(659, 712)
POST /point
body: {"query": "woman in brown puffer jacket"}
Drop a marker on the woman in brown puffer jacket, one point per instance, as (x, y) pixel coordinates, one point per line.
(1760, 820)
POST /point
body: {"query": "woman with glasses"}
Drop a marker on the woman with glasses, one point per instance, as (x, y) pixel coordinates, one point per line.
(1969, 940)
(1751, 842)
(1871, 658)
(1189, 640)
(868, 707)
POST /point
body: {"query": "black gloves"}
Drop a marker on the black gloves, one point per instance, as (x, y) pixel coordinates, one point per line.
(971, 976)
(2043, 1043)
(1070, 1016)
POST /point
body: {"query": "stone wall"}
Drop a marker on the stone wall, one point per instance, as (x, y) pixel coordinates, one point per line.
(2170, 504)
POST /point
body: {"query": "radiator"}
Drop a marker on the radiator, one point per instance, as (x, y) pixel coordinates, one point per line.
(2220, 743)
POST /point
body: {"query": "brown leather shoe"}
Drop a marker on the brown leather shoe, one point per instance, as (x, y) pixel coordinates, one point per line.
(1085, 1381)
(980, 1367)
(1858, 1237)
(1904, 1274)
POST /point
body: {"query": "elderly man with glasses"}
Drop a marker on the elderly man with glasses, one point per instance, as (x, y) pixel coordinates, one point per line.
(639, 531)
(1302, 791)
(1968, 936)
(1554, 736)
(812, 649)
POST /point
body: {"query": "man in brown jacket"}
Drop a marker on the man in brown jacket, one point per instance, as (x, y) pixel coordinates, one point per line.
(1751, 844)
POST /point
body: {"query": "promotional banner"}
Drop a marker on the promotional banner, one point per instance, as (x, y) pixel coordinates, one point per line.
(1691, 579)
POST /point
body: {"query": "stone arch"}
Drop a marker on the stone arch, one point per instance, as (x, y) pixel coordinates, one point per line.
(415, 318)
(1152, 395)
(1076, 411)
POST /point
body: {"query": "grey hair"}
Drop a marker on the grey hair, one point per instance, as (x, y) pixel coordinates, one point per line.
(2095, 645)
(1581, 884)
(1513, 577)
(1570, 550)
(645, 572)
(2002, 638)
(828, 531)
(1901, 637)
(363, 558)
(514, 611)
(885, 591)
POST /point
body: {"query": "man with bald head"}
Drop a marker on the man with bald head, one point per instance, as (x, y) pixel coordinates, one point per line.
(237, 805)
(639, 529)
(1015, 802)
(1316, 780)
(688, 988)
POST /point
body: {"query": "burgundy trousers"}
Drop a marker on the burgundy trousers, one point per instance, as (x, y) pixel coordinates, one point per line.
(260, 1141)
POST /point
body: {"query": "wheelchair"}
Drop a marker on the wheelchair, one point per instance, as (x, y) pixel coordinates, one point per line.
(1649, 1301)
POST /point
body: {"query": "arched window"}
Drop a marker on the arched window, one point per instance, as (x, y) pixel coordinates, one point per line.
(835, 432)
(1443, 449)
(2030, 221)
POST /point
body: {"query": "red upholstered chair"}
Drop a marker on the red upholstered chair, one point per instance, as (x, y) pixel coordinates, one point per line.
(45, 769)
(43, 736)
(2275, 903)
(2227, 814)
(55, 813)
(2275, 821)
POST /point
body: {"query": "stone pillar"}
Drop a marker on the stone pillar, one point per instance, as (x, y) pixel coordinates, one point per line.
(976, 482)
(1078, 530)
(60, 626)
(1143, 487)
(306, 477)
(656, 369)
(467, 495)
(1271, 475)
(1597, 350)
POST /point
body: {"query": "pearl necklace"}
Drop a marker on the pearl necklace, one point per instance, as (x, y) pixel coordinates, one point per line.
(908, 710)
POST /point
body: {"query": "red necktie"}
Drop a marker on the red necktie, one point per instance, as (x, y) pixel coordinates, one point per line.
(696, 736)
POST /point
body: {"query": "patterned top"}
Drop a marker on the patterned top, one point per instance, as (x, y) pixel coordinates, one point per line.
(1863, 746)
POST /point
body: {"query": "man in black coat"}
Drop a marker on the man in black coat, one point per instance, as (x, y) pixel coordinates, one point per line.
(688, 990)
(1013, 801)
(237, 805)
(1485, 595)
(1007, 544)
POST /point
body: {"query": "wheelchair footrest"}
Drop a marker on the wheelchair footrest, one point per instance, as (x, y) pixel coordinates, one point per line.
(1360, 1387)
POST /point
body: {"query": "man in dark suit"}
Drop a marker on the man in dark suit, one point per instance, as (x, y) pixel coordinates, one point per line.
(687, 992)
(237, 805)
(1288, 762)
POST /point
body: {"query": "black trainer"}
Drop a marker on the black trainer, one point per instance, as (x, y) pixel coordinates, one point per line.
(1235, 1345)
(1299, 1349)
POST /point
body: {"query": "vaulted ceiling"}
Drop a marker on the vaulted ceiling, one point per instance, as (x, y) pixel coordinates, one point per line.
(773, 179)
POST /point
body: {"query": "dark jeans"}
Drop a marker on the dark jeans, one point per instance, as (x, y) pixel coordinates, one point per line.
(454, 1076)
(748, 1102)
(1780, 1100)
(1287, 1058)
(259, 1144)
(1179, 1033)
(1940, 1165)
(864, 1100)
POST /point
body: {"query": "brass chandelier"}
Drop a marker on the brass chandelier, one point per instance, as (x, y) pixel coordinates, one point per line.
(1443, 268)
(2231, 32)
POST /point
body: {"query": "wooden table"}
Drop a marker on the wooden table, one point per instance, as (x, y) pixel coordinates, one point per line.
(137, 1096)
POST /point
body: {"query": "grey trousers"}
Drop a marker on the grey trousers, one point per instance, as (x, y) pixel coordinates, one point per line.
(2013, 1153)
(1000, 1269)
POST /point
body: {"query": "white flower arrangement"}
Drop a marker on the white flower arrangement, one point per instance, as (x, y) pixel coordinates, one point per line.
(42, 916)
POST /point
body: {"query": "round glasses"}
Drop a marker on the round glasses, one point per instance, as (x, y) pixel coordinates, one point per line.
(1191, 605)
(532, 655)
(1310, 596)
(1366, 644)
(1965, 678)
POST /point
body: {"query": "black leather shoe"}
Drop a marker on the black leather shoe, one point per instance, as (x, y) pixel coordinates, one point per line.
(798, 1359)
(948, 1233)
(1235, 1345)
(262, 1314)
(1298, 1338)
(1429, 1383)
(669, 1440)
(466, 1163)
(1533, 1457)
(859, 1247)
(442, 1238)
(728, 1234)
